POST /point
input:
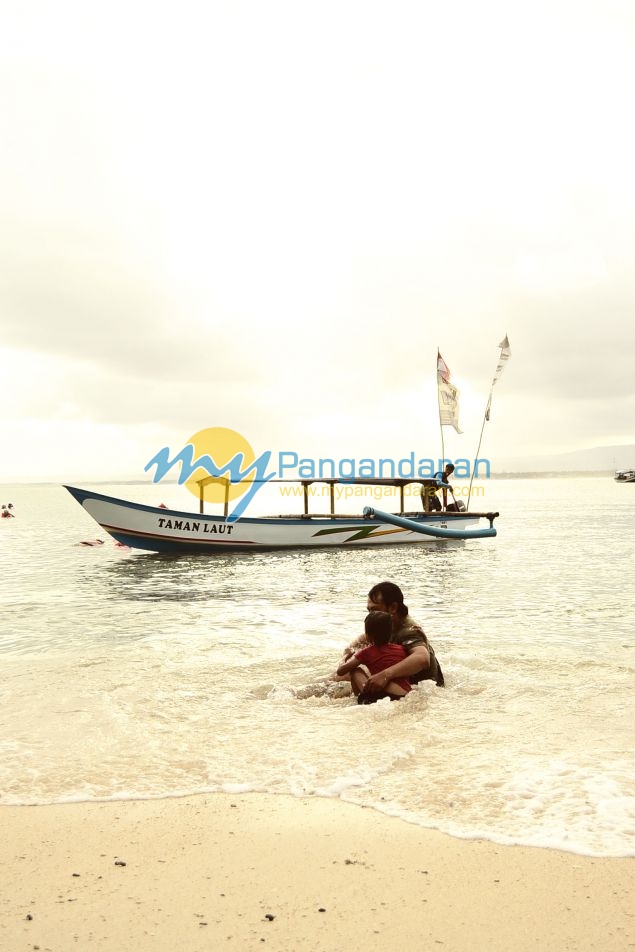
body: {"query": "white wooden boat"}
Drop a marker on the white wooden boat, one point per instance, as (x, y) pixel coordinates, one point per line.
(166, 530)
(625, 476)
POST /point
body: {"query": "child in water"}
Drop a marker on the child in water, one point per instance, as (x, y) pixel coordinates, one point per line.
(379, 655)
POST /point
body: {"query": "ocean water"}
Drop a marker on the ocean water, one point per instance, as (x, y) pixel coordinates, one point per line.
(131, 675)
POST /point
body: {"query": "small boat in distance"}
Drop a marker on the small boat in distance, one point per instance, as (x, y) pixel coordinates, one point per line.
(625, 476)
(157, 529)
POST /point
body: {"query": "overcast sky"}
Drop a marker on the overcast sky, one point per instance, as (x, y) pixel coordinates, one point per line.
(268, 215)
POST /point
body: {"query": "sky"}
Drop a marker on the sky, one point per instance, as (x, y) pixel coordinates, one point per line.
(267, 216)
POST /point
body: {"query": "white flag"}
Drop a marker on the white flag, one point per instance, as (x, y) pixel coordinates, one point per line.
(505, 354)
(506, 350)
(448, 396)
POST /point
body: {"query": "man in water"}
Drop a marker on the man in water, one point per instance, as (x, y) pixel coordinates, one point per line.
(420, 663)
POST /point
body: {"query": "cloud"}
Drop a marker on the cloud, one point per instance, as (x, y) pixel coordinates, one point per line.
(577, 345)
(278, 232)
(82, 296)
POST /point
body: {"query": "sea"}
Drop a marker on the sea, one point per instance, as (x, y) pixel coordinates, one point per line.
(129, 675)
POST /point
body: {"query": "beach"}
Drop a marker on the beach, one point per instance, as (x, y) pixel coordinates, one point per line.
(228, 231)
(175, 776)
(249, 871)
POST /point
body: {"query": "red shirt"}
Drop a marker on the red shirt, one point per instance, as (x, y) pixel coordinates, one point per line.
(379, 657)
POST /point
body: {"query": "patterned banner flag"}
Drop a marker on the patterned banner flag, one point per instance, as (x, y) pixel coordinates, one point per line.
(448, 396)
(442, 368)
(505, 354)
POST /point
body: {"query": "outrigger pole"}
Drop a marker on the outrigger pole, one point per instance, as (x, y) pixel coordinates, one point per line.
(505, 354)
(437, 532)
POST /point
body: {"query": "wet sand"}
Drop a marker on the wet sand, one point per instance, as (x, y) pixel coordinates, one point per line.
(251, 871)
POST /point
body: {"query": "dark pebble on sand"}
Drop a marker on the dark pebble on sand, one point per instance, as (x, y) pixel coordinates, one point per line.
(321, 909)
(29, 916)
(119, 862)
(269, 917)
(75, 874)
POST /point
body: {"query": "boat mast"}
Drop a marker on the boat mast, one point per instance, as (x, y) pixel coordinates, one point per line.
(439, 405)
(478, 448)
(505, 354)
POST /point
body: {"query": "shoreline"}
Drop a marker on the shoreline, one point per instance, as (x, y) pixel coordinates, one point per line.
(251, 870)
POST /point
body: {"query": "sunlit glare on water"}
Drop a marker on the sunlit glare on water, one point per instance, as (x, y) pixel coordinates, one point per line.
(130, 674)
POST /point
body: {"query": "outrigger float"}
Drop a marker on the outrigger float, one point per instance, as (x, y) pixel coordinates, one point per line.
(157, 529)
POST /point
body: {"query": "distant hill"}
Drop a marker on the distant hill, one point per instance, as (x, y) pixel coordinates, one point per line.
(598, 459)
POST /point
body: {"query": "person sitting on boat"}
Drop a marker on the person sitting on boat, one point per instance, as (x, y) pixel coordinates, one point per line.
(420, 663)
(442, 475)
(379, 655)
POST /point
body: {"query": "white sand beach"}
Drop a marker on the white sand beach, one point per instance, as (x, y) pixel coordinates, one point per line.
(260, 871)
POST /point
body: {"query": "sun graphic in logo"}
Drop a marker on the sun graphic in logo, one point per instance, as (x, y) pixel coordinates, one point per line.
(221, 445)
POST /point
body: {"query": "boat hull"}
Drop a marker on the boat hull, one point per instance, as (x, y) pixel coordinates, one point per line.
(166, 530)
